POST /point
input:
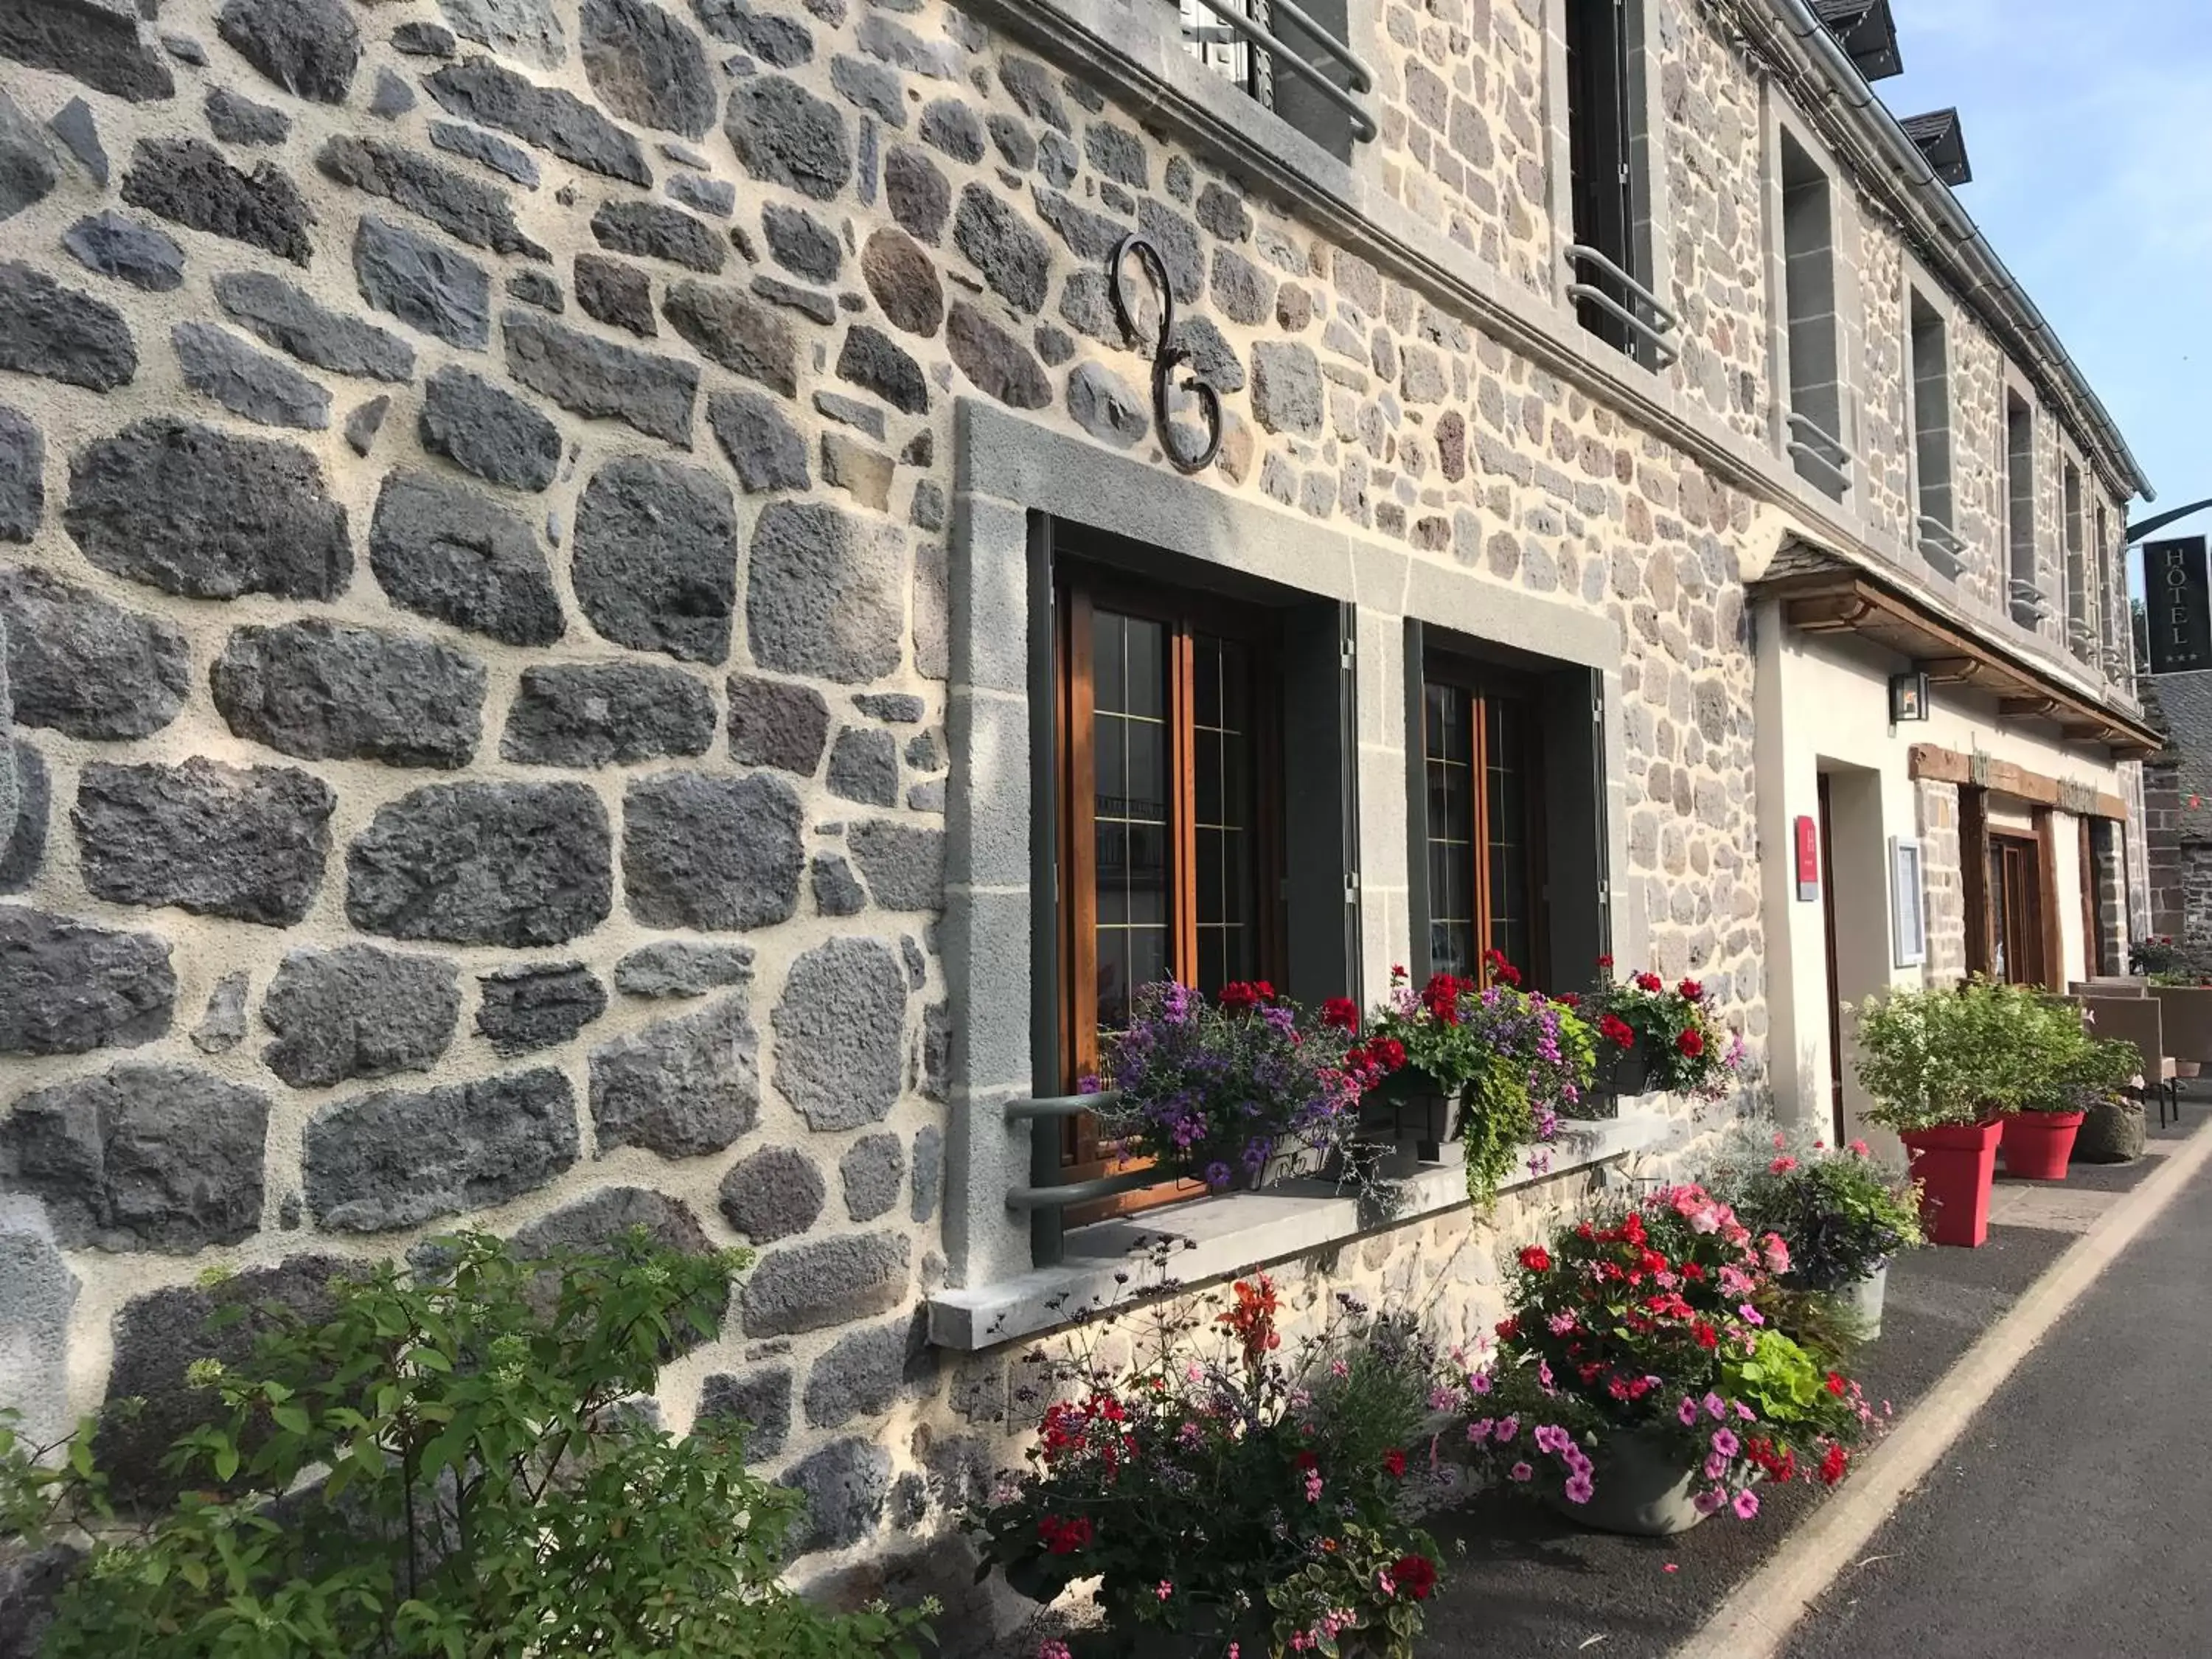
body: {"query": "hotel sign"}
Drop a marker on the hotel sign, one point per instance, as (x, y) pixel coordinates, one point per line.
(2177, 594)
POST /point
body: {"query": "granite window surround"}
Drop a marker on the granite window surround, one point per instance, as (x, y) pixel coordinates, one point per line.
(1006, 470)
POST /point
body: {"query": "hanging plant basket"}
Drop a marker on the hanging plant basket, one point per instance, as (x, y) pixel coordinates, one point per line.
(1624, 1071)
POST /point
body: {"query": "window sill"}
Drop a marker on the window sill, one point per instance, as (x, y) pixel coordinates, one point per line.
(1213, 1237)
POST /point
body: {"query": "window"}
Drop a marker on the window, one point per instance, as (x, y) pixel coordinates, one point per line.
(2015, 909)
(2026, 596)
(1610, 276)
(2080, 631)
(1485, 829)
(1908, 925)
(1293, 59)
(2112, 605)
(1808, 275)
(1931, 437)
(1227, 53)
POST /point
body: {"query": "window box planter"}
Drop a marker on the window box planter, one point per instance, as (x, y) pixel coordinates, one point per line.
(2111, 1133)
(1640, 1487)
(1955, 1165)
(2039, 1145)
(1411, 1109)
(1624, 1071)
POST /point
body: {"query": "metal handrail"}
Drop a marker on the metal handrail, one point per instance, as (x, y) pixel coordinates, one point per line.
(1933, 529)
(1078, 1191)
(1578, 252)
(1813, 429)
(1362, 78)
(1667, 354)
(1807, 453)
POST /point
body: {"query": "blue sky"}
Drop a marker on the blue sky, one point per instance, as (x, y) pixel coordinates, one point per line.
(2089, 125)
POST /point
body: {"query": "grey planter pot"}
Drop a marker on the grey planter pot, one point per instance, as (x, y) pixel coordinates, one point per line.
(1639, 1487)
(1864, 1297)
(1419, 1118)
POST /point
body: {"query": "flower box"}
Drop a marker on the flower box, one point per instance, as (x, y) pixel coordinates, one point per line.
(1418, 1114)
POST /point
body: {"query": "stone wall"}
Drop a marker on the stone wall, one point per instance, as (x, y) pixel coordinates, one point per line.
(2158, 847)
(1942, 872)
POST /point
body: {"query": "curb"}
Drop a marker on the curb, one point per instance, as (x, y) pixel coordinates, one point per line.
(1756, 1619)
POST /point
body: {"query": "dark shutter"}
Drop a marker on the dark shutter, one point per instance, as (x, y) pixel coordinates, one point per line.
(1046, 1038)
(1577, 914)
(1321, 802)
(1420, 962)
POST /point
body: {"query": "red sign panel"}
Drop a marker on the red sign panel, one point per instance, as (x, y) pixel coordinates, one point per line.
(1809, 859)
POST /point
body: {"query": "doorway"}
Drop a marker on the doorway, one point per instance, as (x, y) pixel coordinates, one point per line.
(2015, 893)
(1835, 980)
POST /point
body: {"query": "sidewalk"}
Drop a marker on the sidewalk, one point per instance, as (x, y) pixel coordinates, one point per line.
(1532, 1584)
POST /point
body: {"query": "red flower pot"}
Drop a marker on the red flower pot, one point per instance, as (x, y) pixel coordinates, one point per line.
(1954, 1165)
(2038, 1146)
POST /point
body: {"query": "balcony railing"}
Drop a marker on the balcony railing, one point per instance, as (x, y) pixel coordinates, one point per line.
(1049, 1194)
(2029, 607)
(1642, 316)
(1815, 446)
(1940, 547)
(1242, 44)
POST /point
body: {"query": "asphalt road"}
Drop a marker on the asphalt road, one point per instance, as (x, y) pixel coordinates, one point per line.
(2074, 1518)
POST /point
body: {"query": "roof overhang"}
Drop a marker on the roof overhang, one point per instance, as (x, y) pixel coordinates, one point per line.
(1840, 599)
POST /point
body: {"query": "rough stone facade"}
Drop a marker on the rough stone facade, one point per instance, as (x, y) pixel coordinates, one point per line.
(474, 477)
(1943, 880)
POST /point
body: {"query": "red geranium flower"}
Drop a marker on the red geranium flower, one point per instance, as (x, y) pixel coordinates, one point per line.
(1836, 1383)
(1706, 1336)
(1692, 990)
(1416, 1575)
(1649, 982)
(1395, 1461)
(1691, 1042)
(1613, 1029)
(1063, 1536)
(1238, 996)
(1508, 1329)
(1605, 962)
(1537, 1259)
(1387, 1052)
(1342, 1013)
(1833, 1464)
(1305, 1459)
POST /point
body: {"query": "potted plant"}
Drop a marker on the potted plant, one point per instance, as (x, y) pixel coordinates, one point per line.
(1657, 1036)
(1934, 1063)
(1643, 1344)
(1845, 1214)
(2083, 1074)
(1222, 1490)
(1240, 1090)
(1487, 1068)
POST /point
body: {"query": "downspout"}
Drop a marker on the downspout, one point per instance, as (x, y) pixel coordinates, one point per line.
(1973, 249)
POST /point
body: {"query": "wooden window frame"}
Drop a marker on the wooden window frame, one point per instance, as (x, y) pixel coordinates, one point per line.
(1483, 685)
(1080, 590)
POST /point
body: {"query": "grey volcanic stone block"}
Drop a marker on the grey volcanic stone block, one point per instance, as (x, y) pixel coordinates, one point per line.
(193, 511)
(323, 690)
(25, 848)
(131, 252)
(157, 1338)
(904, 866)
(824, 1282)
(869, 86)
(22, 483)
(845, 1485)
(837, 890)
(97, 46)
(784, 134)
(484, 92)
(249, 843)
(423, 282)
(871, 359)
(646, 66)
(84, 666)
(866, 1372)
(780, 41)
(358, 1011)
(595, 378)
(513, 864)
(238, 121)
(62, 333)
(672, 969)
(1286, 388)
(738, 331)
(591, 714)
(825, 592)
(488, 431)
(222, 1025)
(654, 560)
(442, 549)
(917, 192)
(903, 280)
(616, 292)
(680, 1087)
(1004, 246)
(287, 320)
(776, 1192)
(378, 1161)
(37, 1290)
(871, 1172)
(762, 446)
(774, 724)
(477, 213)
(653, 230)
(141, 1157)
(998, 363)
(929, 1172)
(529, 29)
(217, 364)
(487, 149)
(187, 181)
(802, 243)
(864, 767)
(841, 1033)
(67, 987)
(760, 1400)
(596, 1224)
(1104, 406)
(309, 47)
(364, 423)
(393, 97)
(535, 1007)
(949, 125)
(715, 853)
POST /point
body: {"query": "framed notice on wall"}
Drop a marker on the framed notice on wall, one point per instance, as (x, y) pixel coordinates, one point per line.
(2178, 601)
(1908, 915)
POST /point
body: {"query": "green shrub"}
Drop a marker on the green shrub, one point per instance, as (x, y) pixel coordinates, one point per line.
(458, 1462)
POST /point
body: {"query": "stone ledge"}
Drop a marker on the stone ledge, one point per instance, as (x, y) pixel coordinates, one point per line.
(1214, 1237)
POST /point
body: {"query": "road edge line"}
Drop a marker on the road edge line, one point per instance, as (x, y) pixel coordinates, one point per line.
(1757, 1619)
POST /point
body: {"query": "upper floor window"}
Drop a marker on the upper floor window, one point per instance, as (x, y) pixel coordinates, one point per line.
(1934, 527)
(1486, 829)
(2081, 599)
(2026, 592)
(1293, 59)
(1808, 275)
(1610, 270)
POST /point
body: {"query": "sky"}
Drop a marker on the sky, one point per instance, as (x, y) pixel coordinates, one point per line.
(2089, 126)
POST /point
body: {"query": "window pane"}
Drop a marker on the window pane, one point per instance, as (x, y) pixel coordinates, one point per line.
(1130, 807)
(1108, 673)
(1147, 686)
(1148, 873)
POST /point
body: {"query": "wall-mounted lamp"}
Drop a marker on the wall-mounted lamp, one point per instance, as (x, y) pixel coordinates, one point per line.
(1908, 696)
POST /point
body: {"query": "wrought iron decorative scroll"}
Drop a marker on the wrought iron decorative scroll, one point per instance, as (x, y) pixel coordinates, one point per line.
(1166, 355)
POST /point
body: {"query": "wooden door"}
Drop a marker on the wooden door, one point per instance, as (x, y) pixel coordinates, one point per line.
(1835, 985)
(2015, 893)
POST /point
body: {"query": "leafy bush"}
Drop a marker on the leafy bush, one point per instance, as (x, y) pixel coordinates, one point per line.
(1931, 1057)
(1842, 1212)
(458, 1463)
(1216, 1489)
